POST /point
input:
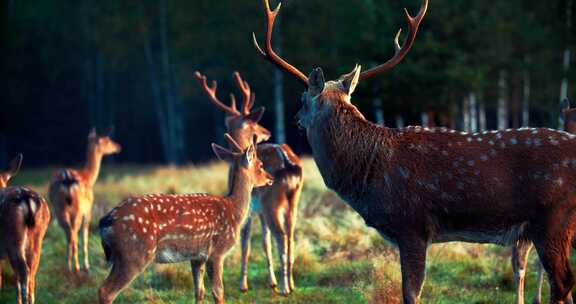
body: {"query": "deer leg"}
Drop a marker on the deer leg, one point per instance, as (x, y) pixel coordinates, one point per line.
(282, 240)
(267, 246)
(86, 241)
(18, 263)
(124, 270)
(554, 254)
(217, 283)
(245, 239)
(291, 223)
(198, 270)
(73, 249)
(413, 264)
(520, 252)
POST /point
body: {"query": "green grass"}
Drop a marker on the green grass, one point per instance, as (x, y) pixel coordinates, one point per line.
(339, 259)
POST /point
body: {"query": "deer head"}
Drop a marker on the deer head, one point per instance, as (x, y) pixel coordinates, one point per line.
(240, 124)
(245, 160)
(6, 175)
(102, 144)
(321, 96)
(569, 115)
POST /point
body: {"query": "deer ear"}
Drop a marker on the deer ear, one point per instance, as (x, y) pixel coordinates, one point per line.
(316, 82)
(256, 115)
(223, 153)
(248, 156)
(350, 81)
(15, 164)
(565, 105)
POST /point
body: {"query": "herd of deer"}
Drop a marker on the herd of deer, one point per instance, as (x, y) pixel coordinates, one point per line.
(415, 186)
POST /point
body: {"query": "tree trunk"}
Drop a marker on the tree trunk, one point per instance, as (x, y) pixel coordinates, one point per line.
(526, 98)
(466, 115)
(473, 112)
(481, 114)
(516, 99)
(567, 56)
(155, 87)
(172, 116)
(399, 121)
(424, 119)
(279, 123)
(502, 100)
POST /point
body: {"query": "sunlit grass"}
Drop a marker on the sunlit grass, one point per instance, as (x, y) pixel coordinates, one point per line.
(339, 259)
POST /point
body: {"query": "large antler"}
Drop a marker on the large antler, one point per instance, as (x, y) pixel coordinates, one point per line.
(248, 96)
(211, 91)
(400, 52)
(269, 54)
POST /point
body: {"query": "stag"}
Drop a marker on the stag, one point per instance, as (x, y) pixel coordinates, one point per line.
(418, 186)
(276, 205)
(177, 228)
(72, 196)
(24, 219)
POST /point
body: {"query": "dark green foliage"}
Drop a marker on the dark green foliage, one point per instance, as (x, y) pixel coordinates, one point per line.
(66, 66)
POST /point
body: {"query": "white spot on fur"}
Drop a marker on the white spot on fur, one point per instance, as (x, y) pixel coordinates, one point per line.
(130, 217)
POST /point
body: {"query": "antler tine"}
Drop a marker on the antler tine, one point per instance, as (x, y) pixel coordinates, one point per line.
(252, 100)
(400, 52)
(233, 144)
(269, 54)
(211, 91)
(246, 93)
(233, 103)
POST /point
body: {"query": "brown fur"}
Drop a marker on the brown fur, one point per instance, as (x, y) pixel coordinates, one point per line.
(521, 249)
(24, 218)
(72, 196)
(279, 202)
(417, 185)
(175, 228)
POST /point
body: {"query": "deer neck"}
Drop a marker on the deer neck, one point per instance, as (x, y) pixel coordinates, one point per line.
(342, 140)
(240, 190)
(92, 167)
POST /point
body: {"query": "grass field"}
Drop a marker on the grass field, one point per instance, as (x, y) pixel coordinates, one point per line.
(339, 259)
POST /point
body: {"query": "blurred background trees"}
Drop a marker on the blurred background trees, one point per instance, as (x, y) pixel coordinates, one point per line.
(68, 65)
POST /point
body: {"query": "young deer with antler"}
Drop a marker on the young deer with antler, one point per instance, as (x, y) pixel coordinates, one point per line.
(24, 219)
(72, 196)
(522, 248)
(277, 205)
(177, 228)
(418, 186)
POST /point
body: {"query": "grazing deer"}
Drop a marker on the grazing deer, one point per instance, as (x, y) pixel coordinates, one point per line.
(521, 250)
(24, 218)
(277, 205)
(418, 186)
(176, 228)
(72, 196)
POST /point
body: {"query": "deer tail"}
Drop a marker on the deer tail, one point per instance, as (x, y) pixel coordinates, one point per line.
(105, 228)
(29, 203)
(68, 184)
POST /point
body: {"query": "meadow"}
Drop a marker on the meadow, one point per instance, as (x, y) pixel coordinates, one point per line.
(338, 258)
